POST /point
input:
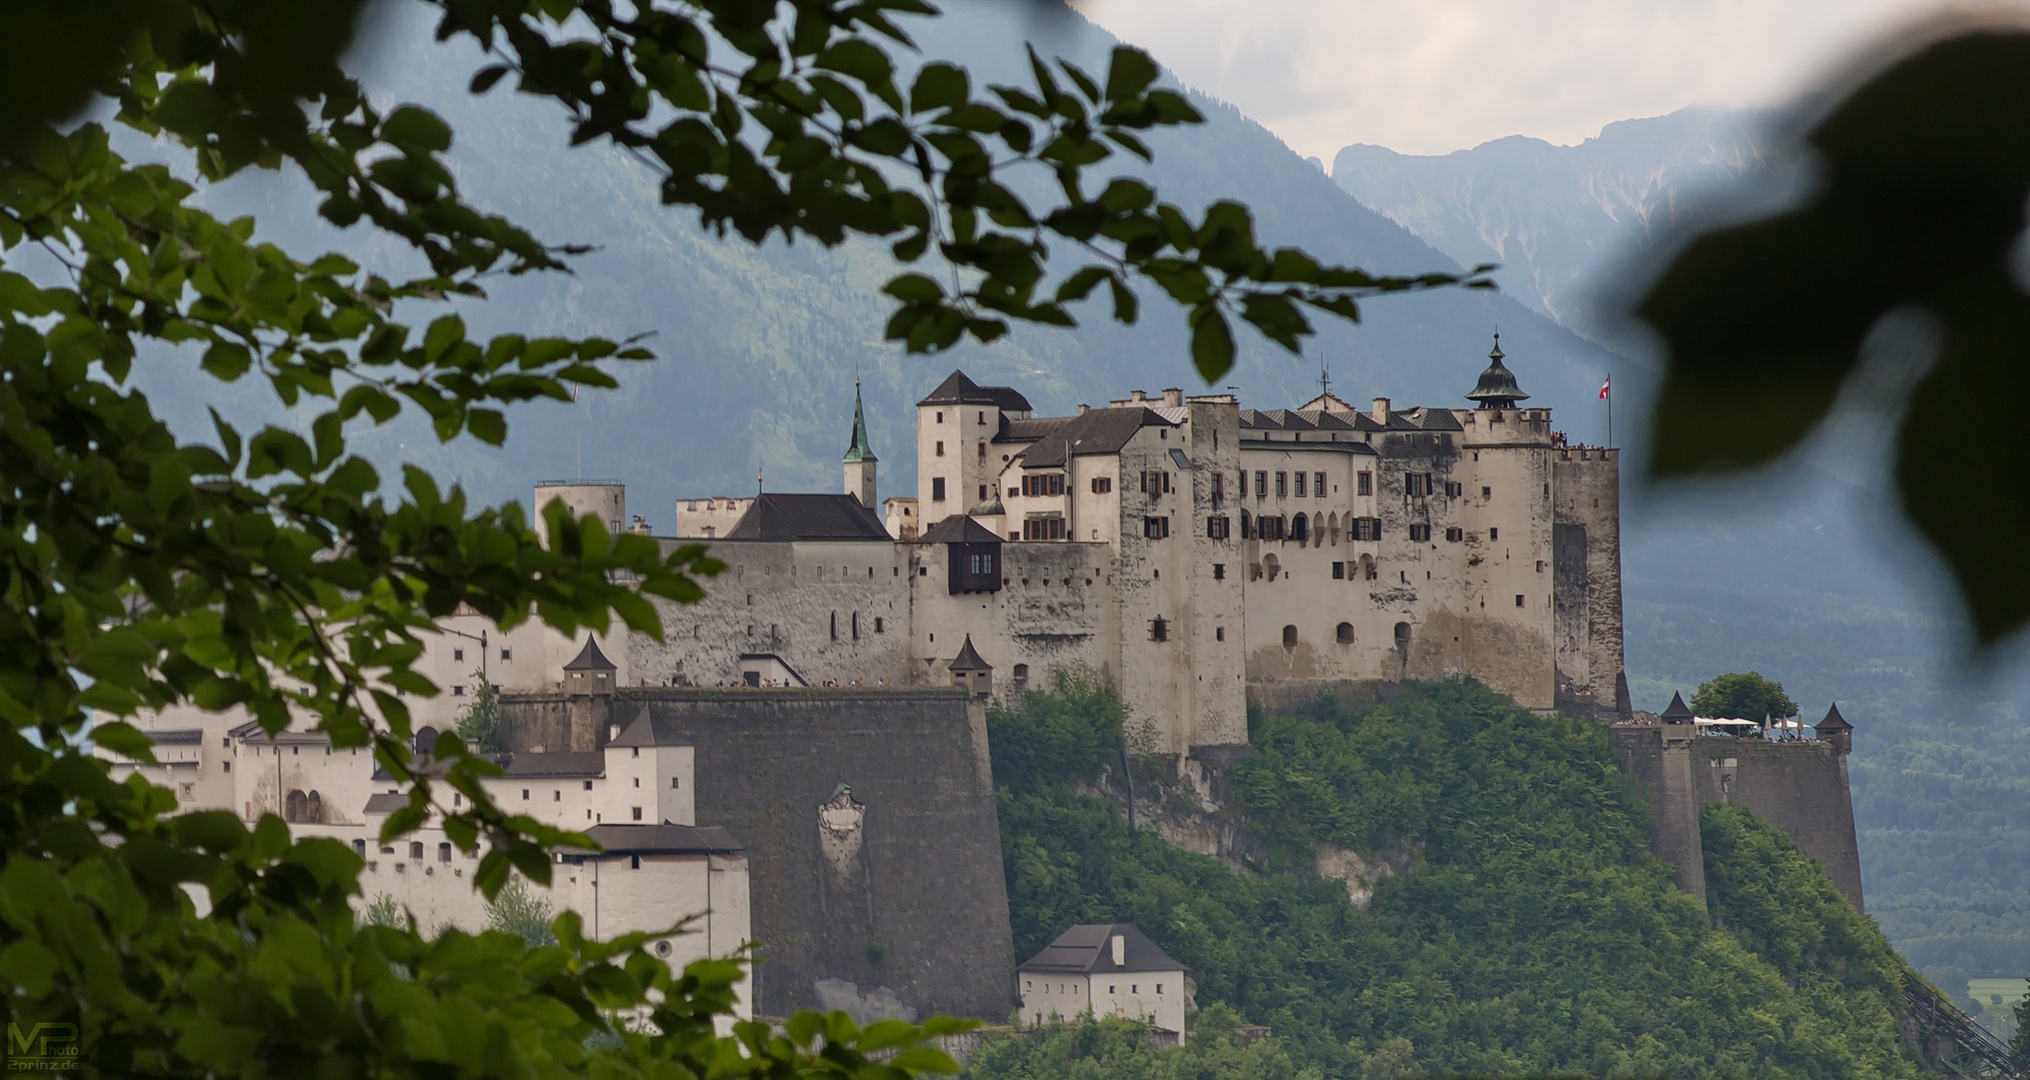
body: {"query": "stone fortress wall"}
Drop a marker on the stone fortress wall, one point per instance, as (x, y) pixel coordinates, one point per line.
(870, 831)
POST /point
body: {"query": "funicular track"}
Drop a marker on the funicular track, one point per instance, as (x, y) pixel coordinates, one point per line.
(1958, 1045)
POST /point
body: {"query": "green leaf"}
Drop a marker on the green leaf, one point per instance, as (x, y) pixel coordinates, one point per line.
(124, 739)
(939, 86)
(418, 130)
(1212, 343)
(227, 361)
(1130, 73)
(483, 80)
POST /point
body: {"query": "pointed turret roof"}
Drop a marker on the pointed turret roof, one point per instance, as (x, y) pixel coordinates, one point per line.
(861, 450)
(1833, 721)
(590, 658)
(1497, 388)
(1677, 712)
(969, 658)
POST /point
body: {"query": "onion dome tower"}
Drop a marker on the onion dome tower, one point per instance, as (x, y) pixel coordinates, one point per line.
(1497, 388)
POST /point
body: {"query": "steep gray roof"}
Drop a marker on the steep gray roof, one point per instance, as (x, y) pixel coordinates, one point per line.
(1084, 950)
(1100, 431)
(969, 659)
(782, 518)
(176, 737)
(958, 529)
(1833, 721)
(590, 658)
(957, 389)
(665, 840)
(1677, 712)
(386, 802)
(646, 729)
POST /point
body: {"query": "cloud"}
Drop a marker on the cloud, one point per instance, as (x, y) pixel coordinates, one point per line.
(1433, 76)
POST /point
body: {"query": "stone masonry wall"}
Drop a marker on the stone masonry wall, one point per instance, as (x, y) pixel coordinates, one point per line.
(900, 902)
(1799, 788)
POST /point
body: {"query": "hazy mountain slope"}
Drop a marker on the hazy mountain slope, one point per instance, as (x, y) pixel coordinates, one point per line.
(1555, 216)
(759, 348)
(1803, 577)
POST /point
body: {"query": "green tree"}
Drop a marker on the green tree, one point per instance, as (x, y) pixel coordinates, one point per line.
(275, 571)
(515, 910)
(1742, 696)
(479, 722)
(384, 911)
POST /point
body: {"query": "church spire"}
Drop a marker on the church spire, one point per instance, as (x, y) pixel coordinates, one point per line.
(861, 450)
(860, 456)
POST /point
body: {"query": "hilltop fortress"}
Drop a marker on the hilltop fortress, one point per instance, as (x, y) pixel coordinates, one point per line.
(1182, 549)
(805, 754)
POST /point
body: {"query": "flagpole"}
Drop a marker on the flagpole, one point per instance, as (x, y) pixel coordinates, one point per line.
(1610, 410)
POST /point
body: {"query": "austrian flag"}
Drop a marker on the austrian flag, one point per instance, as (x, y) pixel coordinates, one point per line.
(1603, 386)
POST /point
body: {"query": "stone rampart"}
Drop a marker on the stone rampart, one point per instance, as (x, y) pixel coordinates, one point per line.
(1799, 788)
(873, 845)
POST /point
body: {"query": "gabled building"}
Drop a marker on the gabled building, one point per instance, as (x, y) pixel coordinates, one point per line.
(1105, 970)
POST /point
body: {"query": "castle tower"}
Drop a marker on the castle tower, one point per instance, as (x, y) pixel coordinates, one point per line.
(972, 673)
(860, 457)
(1834, 729)
(604, 499)
(588, 692)
(957, 467)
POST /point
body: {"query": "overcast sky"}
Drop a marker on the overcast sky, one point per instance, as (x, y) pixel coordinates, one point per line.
(1434, 76)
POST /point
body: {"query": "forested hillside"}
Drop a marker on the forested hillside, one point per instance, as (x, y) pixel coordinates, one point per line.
(1804, 576)
(1532, 935)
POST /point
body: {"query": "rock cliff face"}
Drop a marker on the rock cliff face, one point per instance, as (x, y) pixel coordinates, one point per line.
(1555, 217)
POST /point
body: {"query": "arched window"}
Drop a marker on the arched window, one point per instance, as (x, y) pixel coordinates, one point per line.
(1021, 676)
(426, 741)
(1289, 636)
(1332, 528)
(1368, 569)
(1300, 528)
(856, 626)
(1403, 638)
(313, 809)
(1345, 633)
(296, 807)
(835, 626)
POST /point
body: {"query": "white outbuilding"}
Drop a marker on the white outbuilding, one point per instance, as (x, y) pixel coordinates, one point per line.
(1106, 969)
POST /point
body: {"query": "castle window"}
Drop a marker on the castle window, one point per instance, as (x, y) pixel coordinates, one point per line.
(983, 493)
(1302, 487)
(416, 849)
(1159, 629)
(835, 626)
(506, 655)
(1218, 487)
(983, 420)
(1318, 485)
(1518, 599)
(1219, 571)
(1454, 490)
(1493, 534)
(877, 624)
(637, 813)
(1338, 571)
(634, 862)
(1416, 485)
(1420, 533)
(937, 484)
(1216, 528)
(1102, 484)
(1486, 492)
(444, 853)
(525, 794)
(1289, 637)
(588, 785)
(1050, 484)
(1363, 483)
(359, 848)
(1540, 566)
(940, 448)
(1247, 526)
(458, 690)
(1155, 528)
(458, 654)
(1021, 676)
(1344, 634)
(1456, 535)
(674, 782)
(983, 449)
(940, 419)
(557, 795)
(1300, 526)
(1219, 633)
(1403, 637)
(856, 626)
(1046, 527)
(1282, 484)
(1261, 484)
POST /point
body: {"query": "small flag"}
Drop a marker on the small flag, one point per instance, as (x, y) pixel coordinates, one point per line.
(1604, 383)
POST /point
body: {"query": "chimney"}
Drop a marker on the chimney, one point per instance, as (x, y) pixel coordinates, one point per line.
(1381, 410)
(1173, 397)
(1083, 409)
(1120, 947)
(1137, 395)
